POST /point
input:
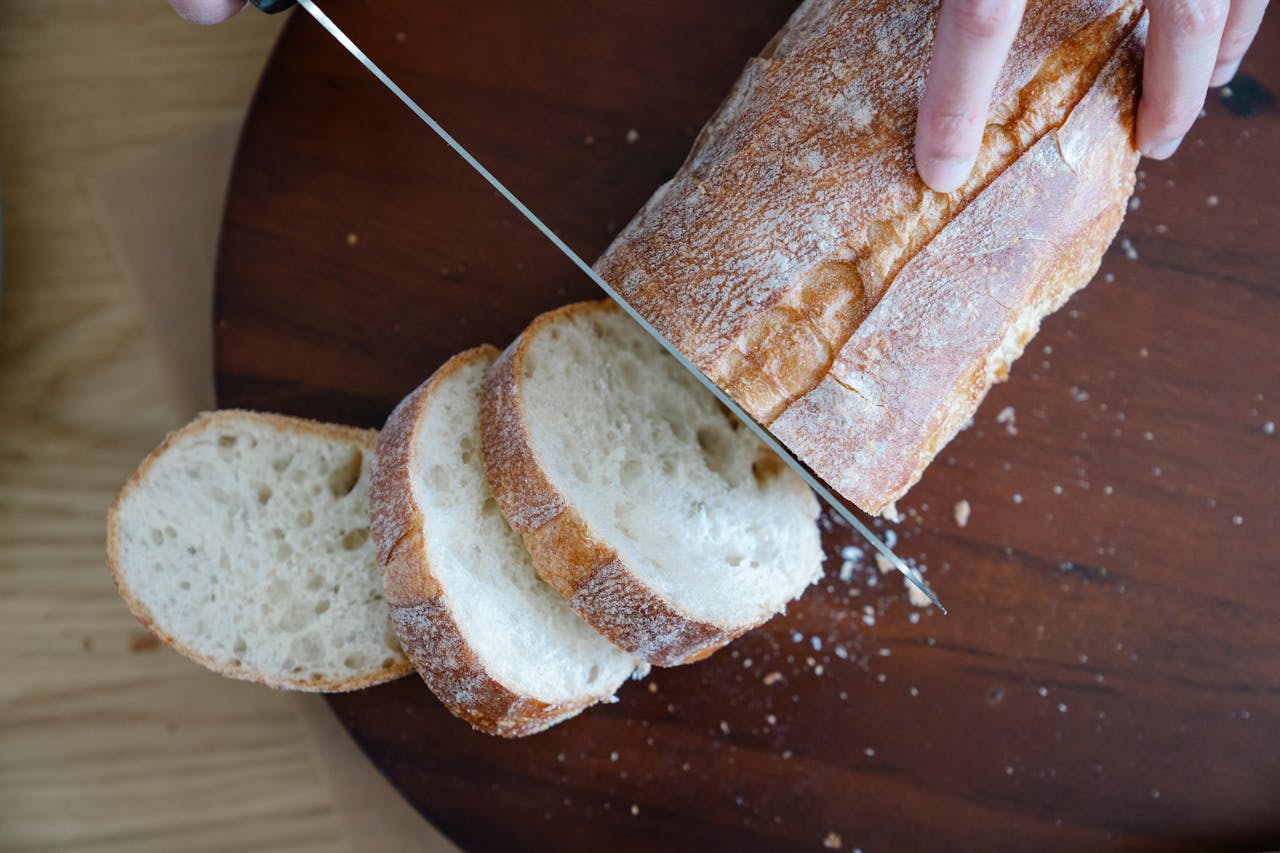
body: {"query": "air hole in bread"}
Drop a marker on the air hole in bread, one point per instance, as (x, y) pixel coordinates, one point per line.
(315, 676)
(593, 674)
(240, 646)
(632, 471)
(280, 463)
(734, 560)
(438, 478)
(354, 539)
(344, 477)
(157, 567)
(226, 441)
(191, 549)
(468, 447)
(277, 533)
(284, 551)
(352, 662)
(264, 494)
(717, 449)
(170, 532)
(235, 662)
(314, 581)
(387, 663)
(157, 536)
(184, 585)
(580, 471)
(305, 518)
(322, 606)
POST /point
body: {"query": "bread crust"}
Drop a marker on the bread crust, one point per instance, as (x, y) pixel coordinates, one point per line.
(796, 247)
(590, 573)
(212, 422)
(420, 608)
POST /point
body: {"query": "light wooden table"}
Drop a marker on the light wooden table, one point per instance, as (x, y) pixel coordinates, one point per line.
(107, 743)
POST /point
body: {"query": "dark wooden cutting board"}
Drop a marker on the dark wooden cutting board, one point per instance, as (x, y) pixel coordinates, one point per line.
(1109, 676)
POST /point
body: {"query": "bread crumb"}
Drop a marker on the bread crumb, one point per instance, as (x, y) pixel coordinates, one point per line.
(816, 642)
(1043, 691)
(916, 596)
(402, 37)
(1079, 394)
(635, 810)
(1269, 428)
(891, 514)
(1126, 246)
(1057, 490)
(613, 756)
(913, 617)
(1237, 520)
(1017, 498)
(832, 841)
(653, 687)
(771, 678)
(1062, 707)
(633, 136)
(724, 726)
(1135, 203)
(352, 239)
(884, 564)
(914, 691)
(588, 140)
(1212, 201)
(1009, 418)
(869, 752)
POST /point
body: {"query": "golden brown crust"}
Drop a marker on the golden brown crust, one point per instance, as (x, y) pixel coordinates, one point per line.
(420, 608)
(591, 574)
(230, 419)
(799, 212)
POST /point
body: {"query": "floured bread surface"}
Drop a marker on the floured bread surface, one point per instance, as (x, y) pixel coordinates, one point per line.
(798, 259)
(498, 645)
(711, 530)
(243, 542)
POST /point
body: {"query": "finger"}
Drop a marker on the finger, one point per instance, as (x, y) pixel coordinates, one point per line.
(1242, 25)
(969, 49)
(1182, 49)
(206, 11)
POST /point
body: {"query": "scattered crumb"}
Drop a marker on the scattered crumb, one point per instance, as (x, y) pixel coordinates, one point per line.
(1057, 490)
(724, 726)
(771, 719)
(1062, 707)
(1269, 428)
(352, 239)
(1126, 246)
(613, 756)
(914, 691)
(832, 841)
(1237, 520)
(881, 677)
(818, 670)
(842, 652)
(913, 617)
(816, 642)
(884, 563)
(746, 663)
(1008, 770)
(653, 687)
(1212, 201)
(891, 514)
(869, 752)
(885, 652)
(1017, 498)
(797, 637)
(1135, 203)
(588, 140)
(1009, 418)
(633, 136)
(1079, 394)
(771, 678)
(916, 596)
(402, 37)
(144, 643)
(1107, 490)
(1155, 794)
(1043, 691)
(635, 810)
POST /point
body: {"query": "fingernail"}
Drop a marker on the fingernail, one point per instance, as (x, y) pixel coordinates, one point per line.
(1163, 150)
(1224, 74)
(945, 174)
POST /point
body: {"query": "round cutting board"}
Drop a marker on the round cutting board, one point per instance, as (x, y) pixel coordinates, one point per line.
(1109, 675)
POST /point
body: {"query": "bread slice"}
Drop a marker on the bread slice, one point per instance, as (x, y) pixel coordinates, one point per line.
(243, 543)
(663, 521)
(497, 645)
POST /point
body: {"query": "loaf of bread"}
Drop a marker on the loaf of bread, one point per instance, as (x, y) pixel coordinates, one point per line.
(243, 543)
(498, 646)
(660, 518)
(799, 261)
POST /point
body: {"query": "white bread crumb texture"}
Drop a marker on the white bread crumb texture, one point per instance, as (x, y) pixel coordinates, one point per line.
(247, 545)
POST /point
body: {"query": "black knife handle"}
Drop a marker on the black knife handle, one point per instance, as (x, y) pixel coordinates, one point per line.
(271, 6)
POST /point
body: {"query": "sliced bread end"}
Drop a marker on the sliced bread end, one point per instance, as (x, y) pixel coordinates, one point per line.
(242, 542)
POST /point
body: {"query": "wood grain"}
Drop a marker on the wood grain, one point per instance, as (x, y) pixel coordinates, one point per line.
(108, 743)
(1108, 678)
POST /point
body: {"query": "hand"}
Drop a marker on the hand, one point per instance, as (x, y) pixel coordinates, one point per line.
(206, 11)
(1191, 45)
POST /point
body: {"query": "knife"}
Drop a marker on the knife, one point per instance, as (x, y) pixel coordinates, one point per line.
(910, 573)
